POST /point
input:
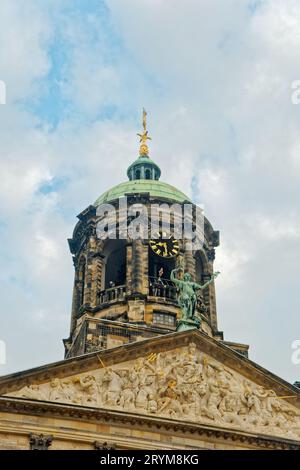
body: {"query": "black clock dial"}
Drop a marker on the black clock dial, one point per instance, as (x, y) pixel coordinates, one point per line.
(165, 247)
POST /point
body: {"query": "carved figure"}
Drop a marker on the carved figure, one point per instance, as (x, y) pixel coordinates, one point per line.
(57, 391)
(113, 384)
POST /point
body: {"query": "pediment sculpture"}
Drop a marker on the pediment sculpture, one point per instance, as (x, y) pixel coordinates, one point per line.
(182, 384)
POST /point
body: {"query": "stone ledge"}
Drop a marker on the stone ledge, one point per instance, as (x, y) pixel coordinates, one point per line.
(31, 407)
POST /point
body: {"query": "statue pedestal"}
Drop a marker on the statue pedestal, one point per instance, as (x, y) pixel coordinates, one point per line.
(183, 325)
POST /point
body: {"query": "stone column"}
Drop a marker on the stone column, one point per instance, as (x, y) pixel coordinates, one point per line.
(190, 262)
(206, 294)
(75, 304)
(145, 268)
(90, 290)
(212, 292)
(40, 441)
(104, 446)
(96, 269)
(88, 281)
(129, 269)
(137, 266)
(97, 280)
(213, 307)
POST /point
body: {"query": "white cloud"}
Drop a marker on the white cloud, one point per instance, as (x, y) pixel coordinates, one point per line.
(278, 228)
(25, 29)
(231, 262)
(46, 250)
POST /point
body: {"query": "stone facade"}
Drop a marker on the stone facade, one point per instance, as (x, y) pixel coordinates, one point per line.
(133, 299)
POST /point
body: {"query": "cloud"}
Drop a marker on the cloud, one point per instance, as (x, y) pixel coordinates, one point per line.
(25, 29)
(279, 229)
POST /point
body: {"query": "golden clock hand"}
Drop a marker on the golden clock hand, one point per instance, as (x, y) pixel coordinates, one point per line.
(161, 243)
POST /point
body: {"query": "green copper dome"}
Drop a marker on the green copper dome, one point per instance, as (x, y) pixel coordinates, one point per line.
(143, 168)
(156, 189)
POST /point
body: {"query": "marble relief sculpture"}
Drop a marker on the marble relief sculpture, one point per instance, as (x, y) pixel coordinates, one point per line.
(181, 384)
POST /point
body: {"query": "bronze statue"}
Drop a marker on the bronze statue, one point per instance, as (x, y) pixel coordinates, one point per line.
(187, 297)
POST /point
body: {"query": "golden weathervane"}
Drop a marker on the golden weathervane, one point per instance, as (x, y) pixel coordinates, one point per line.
(144, 151)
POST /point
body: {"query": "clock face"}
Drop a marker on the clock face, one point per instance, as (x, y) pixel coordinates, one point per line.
(165, 247)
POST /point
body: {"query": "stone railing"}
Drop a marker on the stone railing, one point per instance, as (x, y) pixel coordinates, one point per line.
(162, 288)
(113, 294)
(165, 289)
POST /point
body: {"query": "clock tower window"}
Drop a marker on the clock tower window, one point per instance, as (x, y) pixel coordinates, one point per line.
(114, 264)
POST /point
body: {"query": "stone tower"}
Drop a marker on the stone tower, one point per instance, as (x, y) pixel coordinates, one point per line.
(122, 288)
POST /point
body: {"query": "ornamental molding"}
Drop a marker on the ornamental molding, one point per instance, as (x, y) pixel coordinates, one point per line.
(30, 407)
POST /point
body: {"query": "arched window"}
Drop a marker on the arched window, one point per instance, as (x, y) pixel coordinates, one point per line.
(148, 174)
(201, 275)
(199, 268)
(115, 264)
(137, 174)
(157, 262)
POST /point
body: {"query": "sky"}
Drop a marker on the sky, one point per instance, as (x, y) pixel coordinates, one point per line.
(216, 79)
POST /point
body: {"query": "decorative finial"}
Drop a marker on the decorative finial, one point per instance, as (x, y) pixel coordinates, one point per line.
(144, 119)
(144, 151)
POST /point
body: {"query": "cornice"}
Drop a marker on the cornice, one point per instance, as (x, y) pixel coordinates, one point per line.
(40, 408)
